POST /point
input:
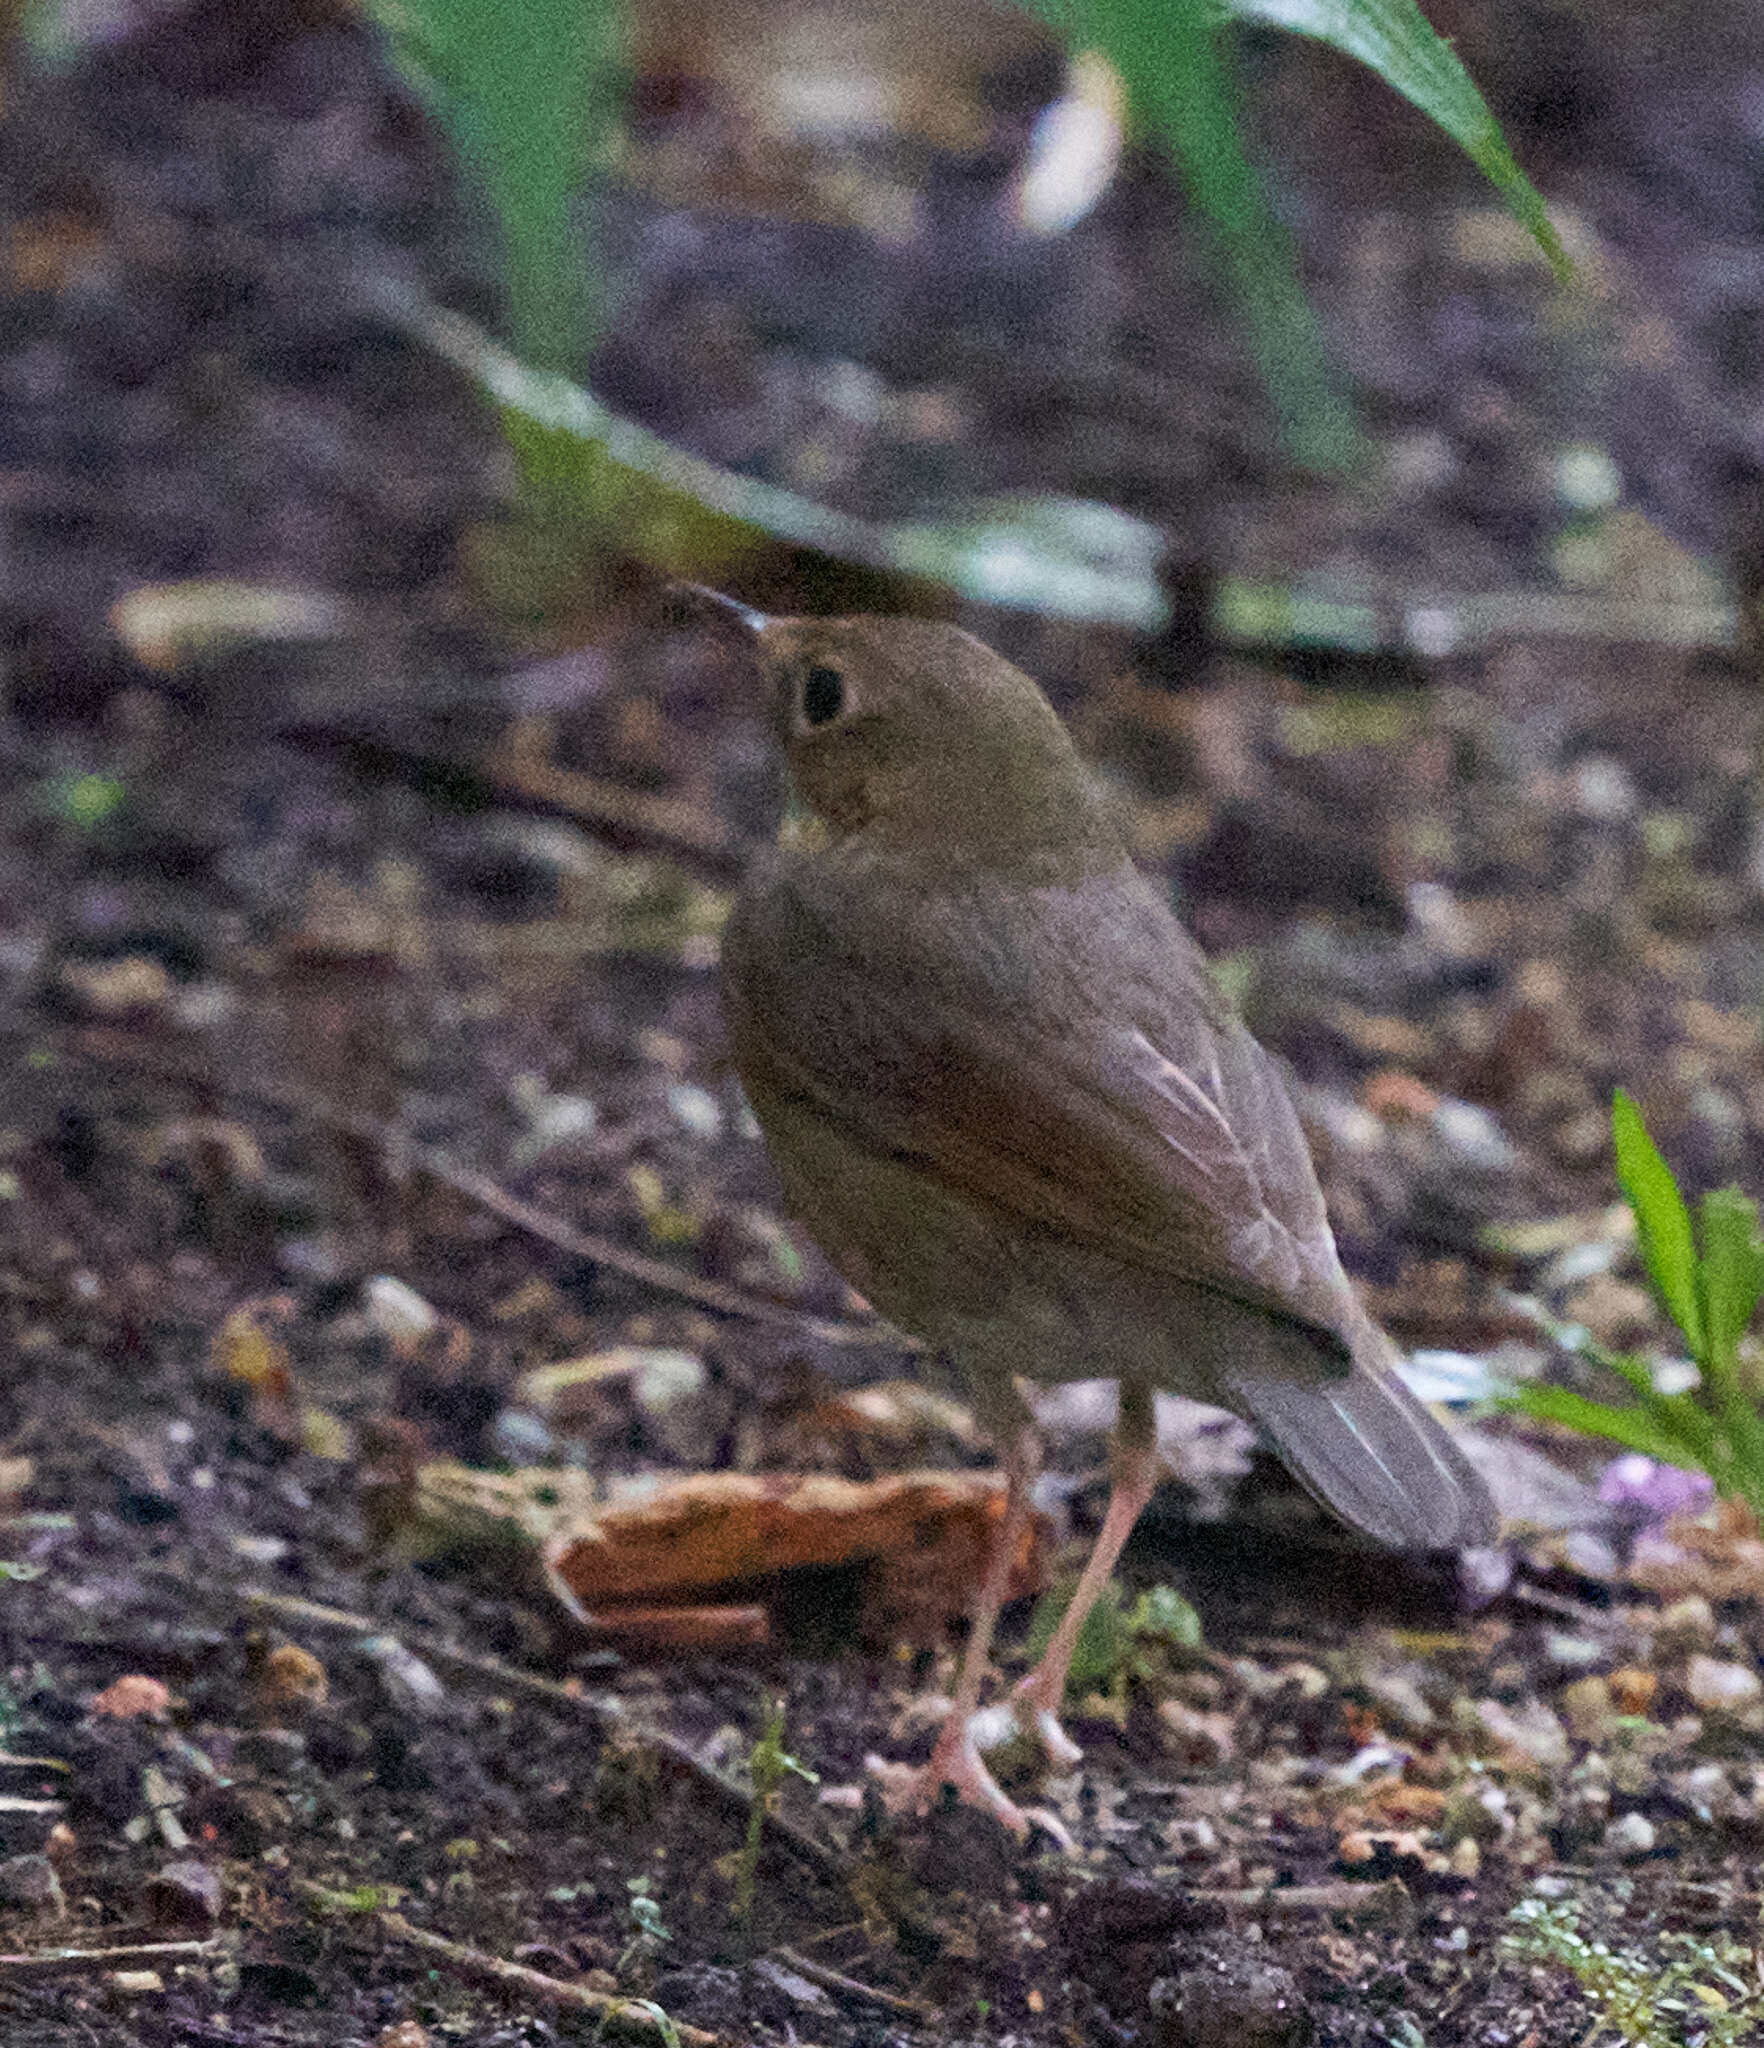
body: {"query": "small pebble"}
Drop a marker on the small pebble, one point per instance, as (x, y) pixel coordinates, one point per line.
(1630, 1836)
(1686, 1625)
(28, 1884)
(1531, 1729)
(1600, 788)
(1469, 1131)
(1588, 1708)
(1720, 1688)
(1633, 1688)
(184, 1894)
(397, 1312)
(1400, 1704)
(1570, 1652)
(294, 1678)
(695, 1109)
(134, 1697)
(109, 989)
(404, 2034)
(1251, 2004)
(1580, 1262)
(552, 1120)
(410, 1684)
(1586, 1552)
(1197, 1739)
(1708, 1793)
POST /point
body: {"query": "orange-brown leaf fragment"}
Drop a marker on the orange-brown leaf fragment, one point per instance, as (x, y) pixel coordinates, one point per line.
(926, 1536)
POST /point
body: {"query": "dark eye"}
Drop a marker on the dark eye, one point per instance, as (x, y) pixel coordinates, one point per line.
(823, 694)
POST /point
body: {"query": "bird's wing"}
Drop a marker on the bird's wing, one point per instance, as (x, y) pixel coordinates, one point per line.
(1065, 1058)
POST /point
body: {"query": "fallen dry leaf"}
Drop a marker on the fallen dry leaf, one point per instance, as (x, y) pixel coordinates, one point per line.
(923, 1536)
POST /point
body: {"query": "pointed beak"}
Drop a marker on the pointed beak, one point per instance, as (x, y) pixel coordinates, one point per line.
(696, 596)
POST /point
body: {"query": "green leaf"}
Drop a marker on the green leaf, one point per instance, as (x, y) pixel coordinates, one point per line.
(686, 517)
(525, 91)
(1177, 72)
(1179, 83)
(1731, 1271)
(1396, 40)
(1162, 1615)
(1102, 1643)
(1631, 1427)
(1679, 1417)
(1682, 1416)
(1730, 1276)
(1662, 1221)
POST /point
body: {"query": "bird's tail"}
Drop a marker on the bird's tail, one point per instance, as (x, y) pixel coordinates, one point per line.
(1372, 1452)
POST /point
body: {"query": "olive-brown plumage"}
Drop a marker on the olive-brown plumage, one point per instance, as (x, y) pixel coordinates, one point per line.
(1004, 1093)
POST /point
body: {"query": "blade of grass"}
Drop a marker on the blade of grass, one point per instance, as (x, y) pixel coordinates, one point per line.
(1679, 1416)
(1662, 1221)
(1730, 1278)
(1396, 40)
(526, 91)
(1631, 1427)
(1177, 72)
(1730, 1270)
(687, 517)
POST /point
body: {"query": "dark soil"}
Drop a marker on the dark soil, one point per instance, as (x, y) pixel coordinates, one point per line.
(276, 919)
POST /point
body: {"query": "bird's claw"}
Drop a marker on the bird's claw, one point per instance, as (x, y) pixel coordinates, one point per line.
(956, 1761)
(916, 1788)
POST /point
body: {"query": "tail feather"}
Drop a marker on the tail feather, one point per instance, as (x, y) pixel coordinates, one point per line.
(1369, 1450)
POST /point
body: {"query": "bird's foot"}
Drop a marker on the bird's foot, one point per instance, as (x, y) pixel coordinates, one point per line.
(916, 1788)
(956, 1761)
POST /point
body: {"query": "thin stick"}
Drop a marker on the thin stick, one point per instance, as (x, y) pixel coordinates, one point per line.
(851, 1989)
(1361, 1901)
(52, 1962)
(627, 2015)
(606, 1712)
(117, 1048)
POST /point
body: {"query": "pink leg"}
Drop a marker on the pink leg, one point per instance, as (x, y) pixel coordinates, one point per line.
(1136, 1476)
(956, 1761)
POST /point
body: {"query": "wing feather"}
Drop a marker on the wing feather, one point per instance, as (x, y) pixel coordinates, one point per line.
(1062, 1055)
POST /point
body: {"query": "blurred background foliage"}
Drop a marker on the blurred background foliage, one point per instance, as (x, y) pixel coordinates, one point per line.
(530, 95)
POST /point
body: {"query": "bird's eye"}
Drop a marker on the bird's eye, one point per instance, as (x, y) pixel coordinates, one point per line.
(823, 694)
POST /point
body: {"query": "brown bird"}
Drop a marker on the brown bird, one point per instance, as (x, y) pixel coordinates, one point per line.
(1002, 1090)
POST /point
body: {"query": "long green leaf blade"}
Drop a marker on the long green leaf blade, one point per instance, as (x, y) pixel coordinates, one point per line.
(1730, 1275)
(1626, 1426)
(687, 517)
(1396, 40)
(1662, 1221)
(1732, 1269)
(525, 92)
(1178, 78)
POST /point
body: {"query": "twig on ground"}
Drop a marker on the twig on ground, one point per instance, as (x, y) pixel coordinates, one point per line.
(607, 1713)
(614, 2012)
(851, 1989)
(117, 1048)
(1385, 1900)
(55, 1962)
(518, 770)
